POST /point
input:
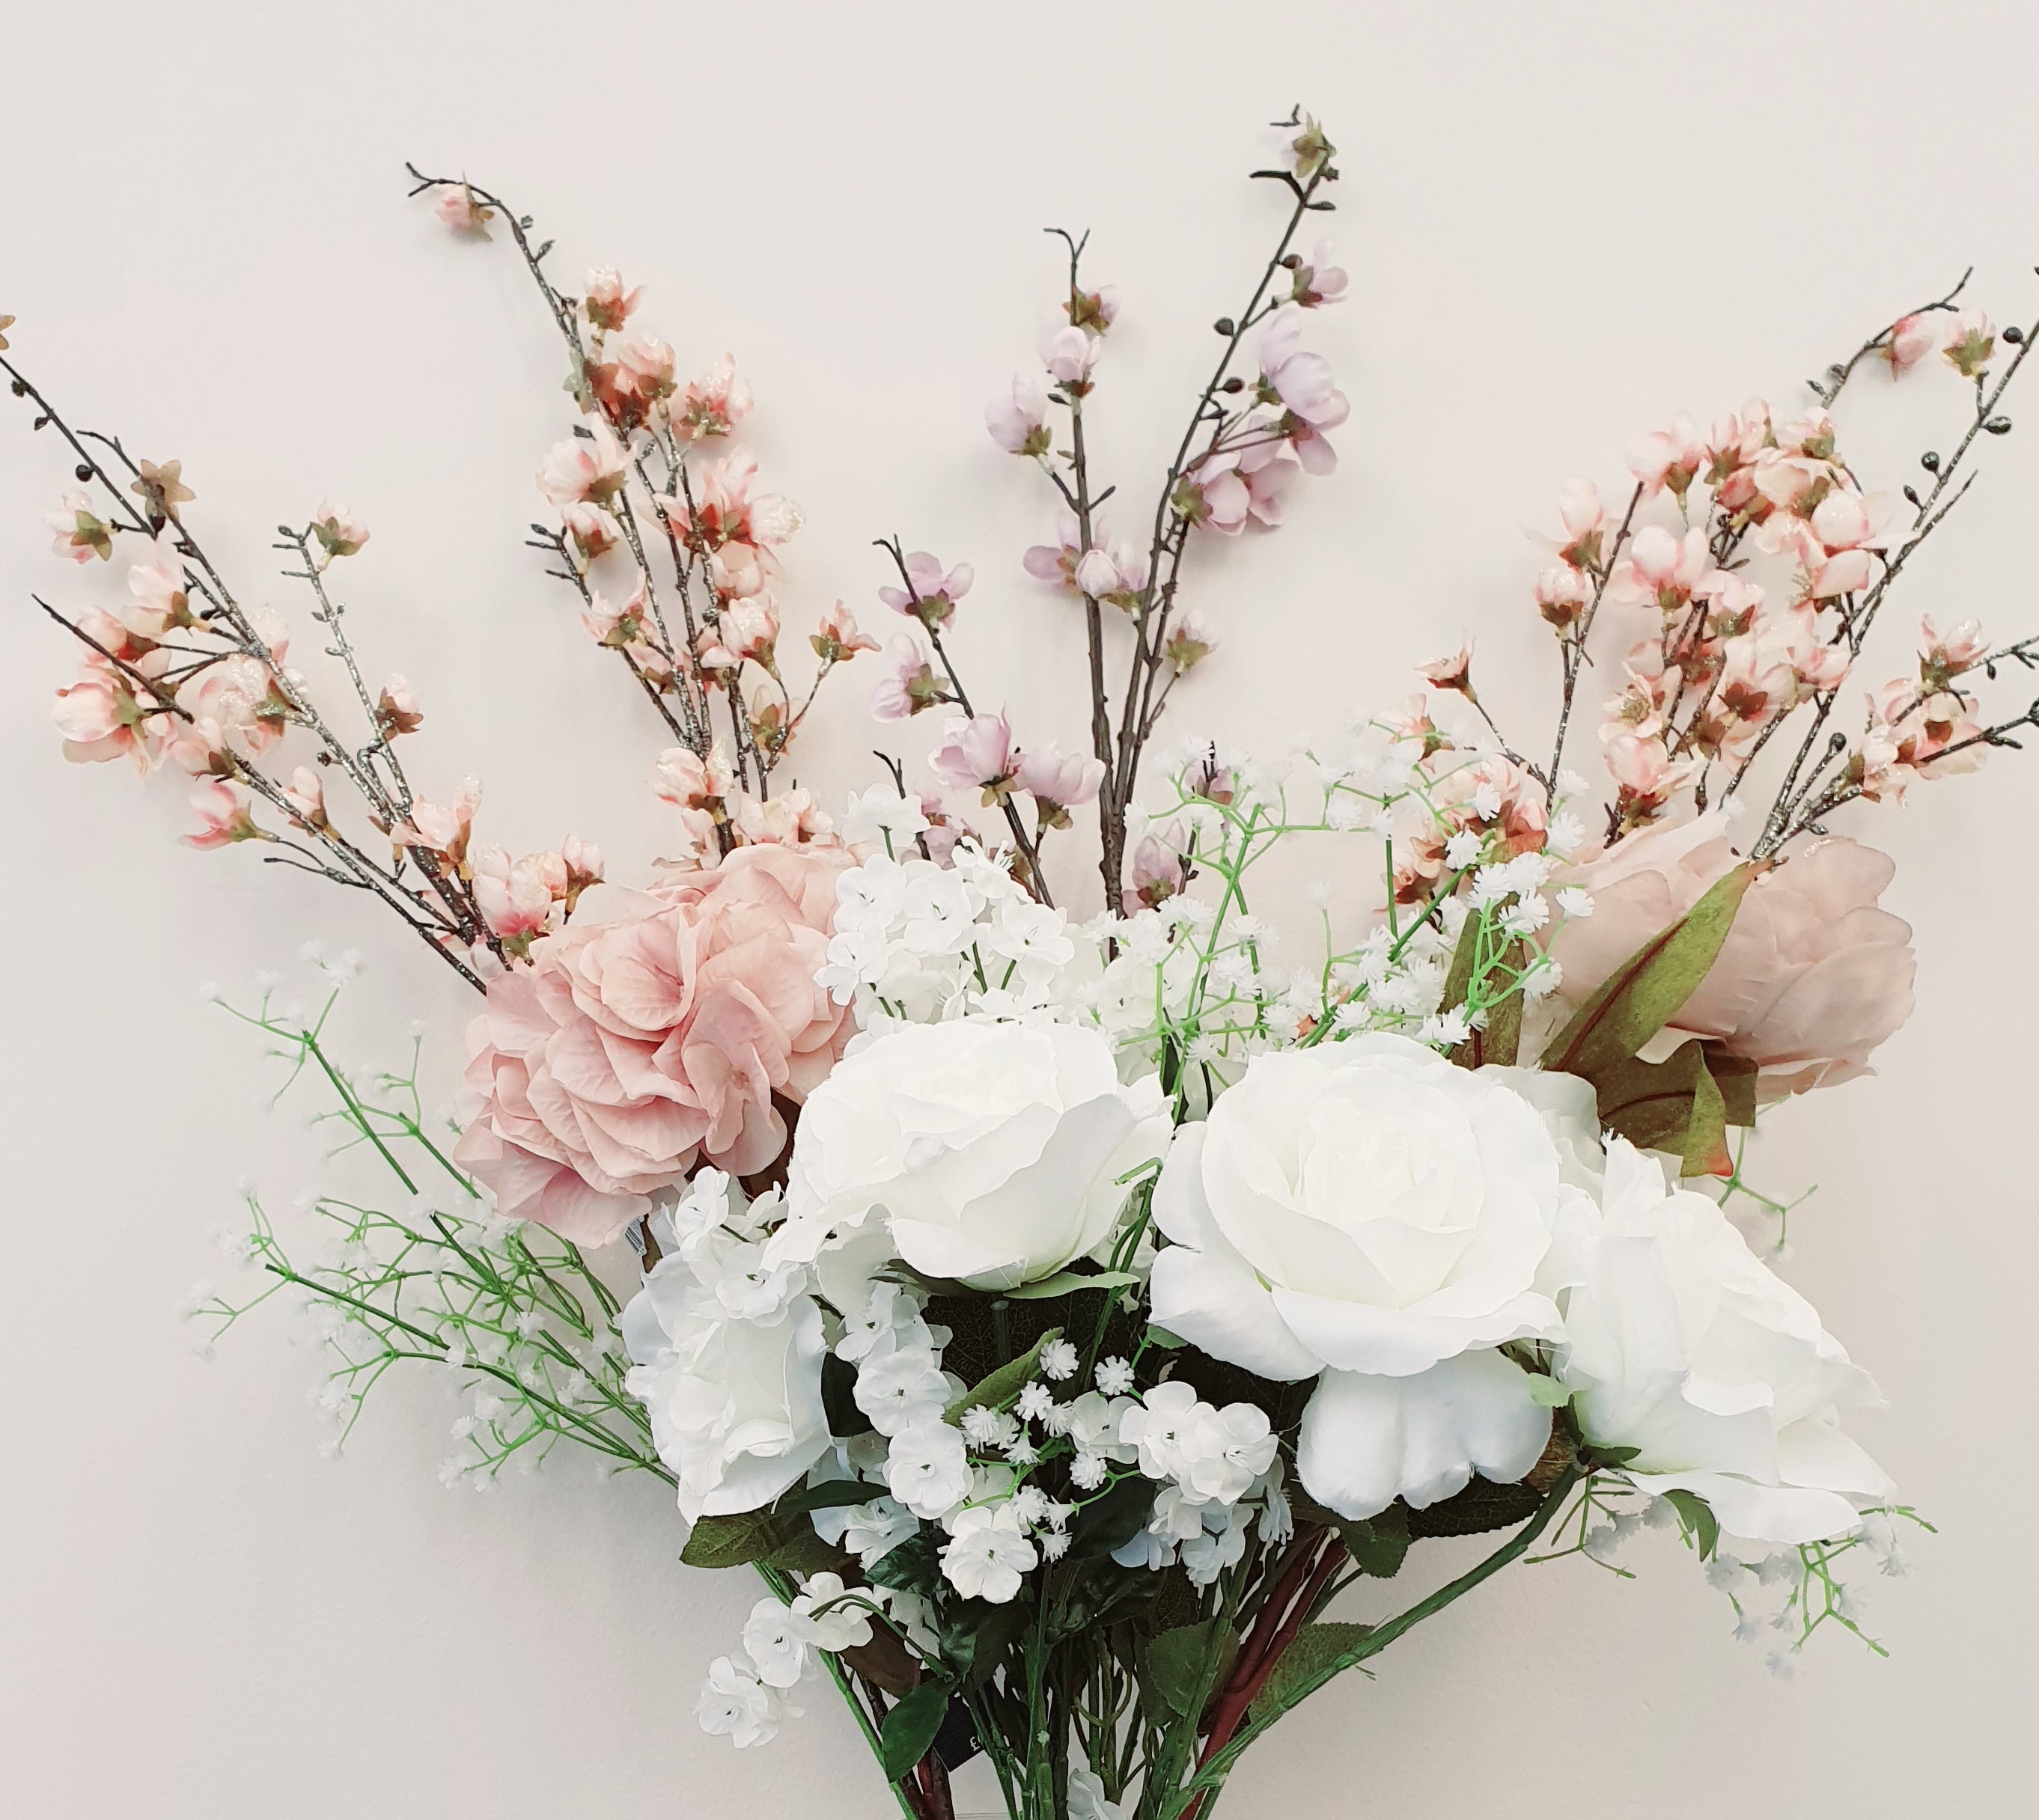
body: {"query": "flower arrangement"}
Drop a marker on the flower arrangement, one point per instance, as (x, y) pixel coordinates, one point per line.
(1059, 1312)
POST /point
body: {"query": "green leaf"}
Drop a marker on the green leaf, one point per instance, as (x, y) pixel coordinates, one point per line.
(1680, 1105)
(1696, 1518)
(1112, 1519)
(1378, 1546)
(1547, 1391)
(909, 1566)
(1178, 1666)
(1068, 1282)
(1001, 1387)
(1644, 993)
(1162, 1337)
(806, 1554)
(845, 1420)
(1317, 1647)
(733, 1541)
(910, 1727)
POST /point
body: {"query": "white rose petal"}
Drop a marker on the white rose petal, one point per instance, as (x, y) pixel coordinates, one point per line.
(1366, 1439)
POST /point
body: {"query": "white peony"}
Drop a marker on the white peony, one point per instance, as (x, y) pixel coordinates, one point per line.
(735, 1404)
(1681, 1343)
(993, 1152)
(1367, 1208)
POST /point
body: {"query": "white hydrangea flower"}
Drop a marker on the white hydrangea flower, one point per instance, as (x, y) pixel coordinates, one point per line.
(735, 1705)
(988, 1554)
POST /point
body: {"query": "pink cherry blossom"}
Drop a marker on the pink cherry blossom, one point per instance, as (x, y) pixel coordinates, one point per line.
(457, 205)
(1562, 593)
(239, 695)
(1057, 783)
(1585, 519)
(398, 709)
(909, 685)
(791, 819)
(1096, 310)
(606, 304)
(1662, 568)
(1943, 657)
(931, 593)
(1068, 355)
(839, 638)
(221, 809)
(338, 533)
(1302, 383)
(683, 778)
(1117, 576)
(1018, 420)
(1317, 280)
(1301, 149)
(100, 719)
(306, 794)
(632, 1049)
(442, 828)
(1911, 339)
(1189, 640)
(712, 405)
(1154, 873)
(975, 753)
(590, 468)
(198, 748)
(516, 900)
(80, 534)
(594, 531)
(1671, 457)
(1971, 340)
(726, 510)
(749, 628)
(157, 585)
(1057, 562)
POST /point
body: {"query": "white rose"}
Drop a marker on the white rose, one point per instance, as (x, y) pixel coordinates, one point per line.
(993, 1150)
(1681, 1343)
(1367, 1209)
(735, 1405)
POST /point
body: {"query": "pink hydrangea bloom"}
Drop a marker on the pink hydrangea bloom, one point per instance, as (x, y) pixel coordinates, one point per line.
(631, 1049)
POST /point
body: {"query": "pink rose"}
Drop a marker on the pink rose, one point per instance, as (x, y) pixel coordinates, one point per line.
(1813, 977)
(632, 1049)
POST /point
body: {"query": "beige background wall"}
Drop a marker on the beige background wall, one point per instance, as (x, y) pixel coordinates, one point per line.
(1563, 222)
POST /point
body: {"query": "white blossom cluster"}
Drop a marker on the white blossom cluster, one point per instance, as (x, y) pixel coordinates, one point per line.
(916, 942)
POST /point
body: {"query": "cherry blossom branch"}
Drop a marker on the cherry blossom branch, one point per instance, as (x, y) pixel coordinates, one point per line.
(1838, 373)
(1029, 849)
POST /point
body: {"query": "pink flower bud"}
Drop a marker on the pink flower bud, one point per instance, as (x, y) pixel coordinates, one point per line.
(1018, 422)
(222, 809)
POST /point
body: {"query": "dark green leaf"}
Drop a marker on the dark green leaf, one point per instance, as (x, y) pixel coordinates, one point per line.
(839, 1399)
(910, 1727)
(1482, 1506)
(1179, 1667)
(733, 1541)
(1070, 1282)
(1317, 1647)
(806, 1554)
(975, 1633)
(1378, 1546)
(1644, 993)
(1002, 1386)
(1696, 1517)
(1671, 1105)
(910, 1566)
(1112, 1519)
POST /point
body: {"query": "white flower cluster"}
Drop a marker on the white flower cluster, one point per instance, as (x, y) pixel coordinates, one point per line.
(745, 1696)
(916, 942)
(728, 1351)
(1219, 1466)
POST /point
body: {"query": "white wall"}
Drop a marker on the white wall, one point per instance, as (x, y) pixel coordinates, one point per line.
(1563, 223)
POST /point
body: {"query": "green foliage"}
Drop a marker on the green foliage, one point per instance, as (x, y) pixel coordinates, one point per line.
(1682, 1105)
(1070, 1282)
(1112, 1518)
(779, 1537)
(1644, 993)
(1378, 1546)
(999, 1389)
(1696, 1519)
(1317, 1648)
(1178, 1667)
(910, 1727)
